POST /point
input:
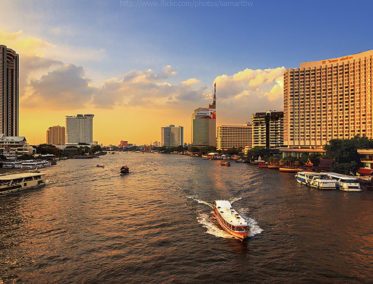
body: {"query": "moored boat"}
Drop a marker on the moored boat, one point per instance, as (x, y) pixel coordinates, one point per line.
(345, 182)
(289, 170)
(225, 163)
(262, 165)
(273, 167)
(303, 177)
(230, 220)
(365, 171)
(321, 181)
(18, 182)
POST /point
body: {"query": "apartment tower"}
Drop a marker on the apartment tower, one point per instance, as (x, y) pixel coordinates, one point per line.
(328, 99)
(268, 129)
(9, 91)
(56, 135)
(172, 136)
(79, 129)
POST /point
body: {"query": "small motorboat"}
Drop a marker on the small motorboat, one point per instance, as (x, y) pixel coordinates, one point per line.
(124, 170)
(290, 170)
(230, 220)
(273, 166)
(262, 165)
(100, 166)
(225, 163)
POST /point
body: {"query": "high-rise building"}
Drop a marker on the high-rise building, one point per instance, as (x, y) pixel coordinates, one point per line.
(268, 129)
(79, 129)
(328, 99)
(9, 91)
(56, 135)
(234, 136)
(172, 136)
(204, 125)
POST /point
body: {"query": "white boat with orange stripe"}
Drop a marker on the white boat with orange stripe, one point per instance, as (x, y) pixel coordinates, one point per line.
(230, 220)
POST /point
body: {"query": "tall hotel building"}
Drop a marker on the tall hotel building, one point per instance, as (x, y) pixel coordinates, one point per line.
(79, 129)
(56, 135)
(268, 129)
(328, 99)
(233, 136)
(9, 91)
(172, 136)
(204, 125)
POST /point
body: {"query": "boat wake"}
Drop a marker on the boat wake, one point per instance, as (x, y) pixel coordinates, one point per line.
(211, 227)
(200, 201)
(233, 200)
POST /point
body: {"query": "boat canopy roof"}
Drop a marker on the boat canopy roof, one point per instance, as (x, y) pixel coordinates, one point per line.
(229, 214)
(341, 176)
(17, 176)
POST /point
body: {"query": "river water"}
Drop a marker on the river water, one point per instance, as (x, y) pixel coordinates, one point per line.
(154, 225)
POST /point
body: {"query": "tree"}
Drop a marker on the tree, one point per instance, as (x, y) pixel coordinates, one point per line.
(344, 153)
(44, 149)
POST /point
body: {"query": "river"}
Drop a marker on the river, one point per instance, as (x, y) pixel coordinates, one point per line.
(91, 225)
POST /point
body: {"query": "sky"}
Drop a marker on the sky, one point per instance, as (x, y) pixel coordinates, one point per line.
(139, 65)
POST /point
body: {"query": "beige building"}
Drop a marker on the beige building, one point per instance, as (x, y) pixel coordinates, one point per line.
(233, 136)
(56, 135)
(268, 129)
(204, 127)
(14, 146)
(328, 99)
(9, 91)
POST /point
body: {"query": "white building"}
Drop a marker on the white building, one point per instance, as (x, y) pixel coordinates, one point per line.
(79, 129)
(13, 146)
(172, 136)
(233, 136)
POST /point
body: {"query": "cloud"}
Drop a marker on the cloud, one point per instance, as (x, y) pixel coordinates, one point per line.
(35, 46)
(51, 75)
(147, 88)
(63, 88)
(249, 91)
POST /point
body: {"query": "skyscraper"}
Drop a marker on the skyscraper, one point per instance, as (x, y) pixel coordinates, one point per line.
(268, 129)
(204, 125)
(172, 136)
(56, 135)
(79, 129)
(329, 99)
(9, 91)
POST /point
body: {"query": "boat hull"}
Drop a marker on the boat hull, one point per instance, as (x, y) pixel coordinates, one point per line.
(238, 235)
(21, 188)
(290, 170)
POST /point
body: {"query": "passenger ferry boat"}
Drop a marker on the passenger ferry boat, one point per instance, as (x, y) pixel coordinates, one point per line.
(345, 182)
(26, 164)
(316, 180)
(304, 177)
(230, 220)
(322, 181)
(18, 182)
